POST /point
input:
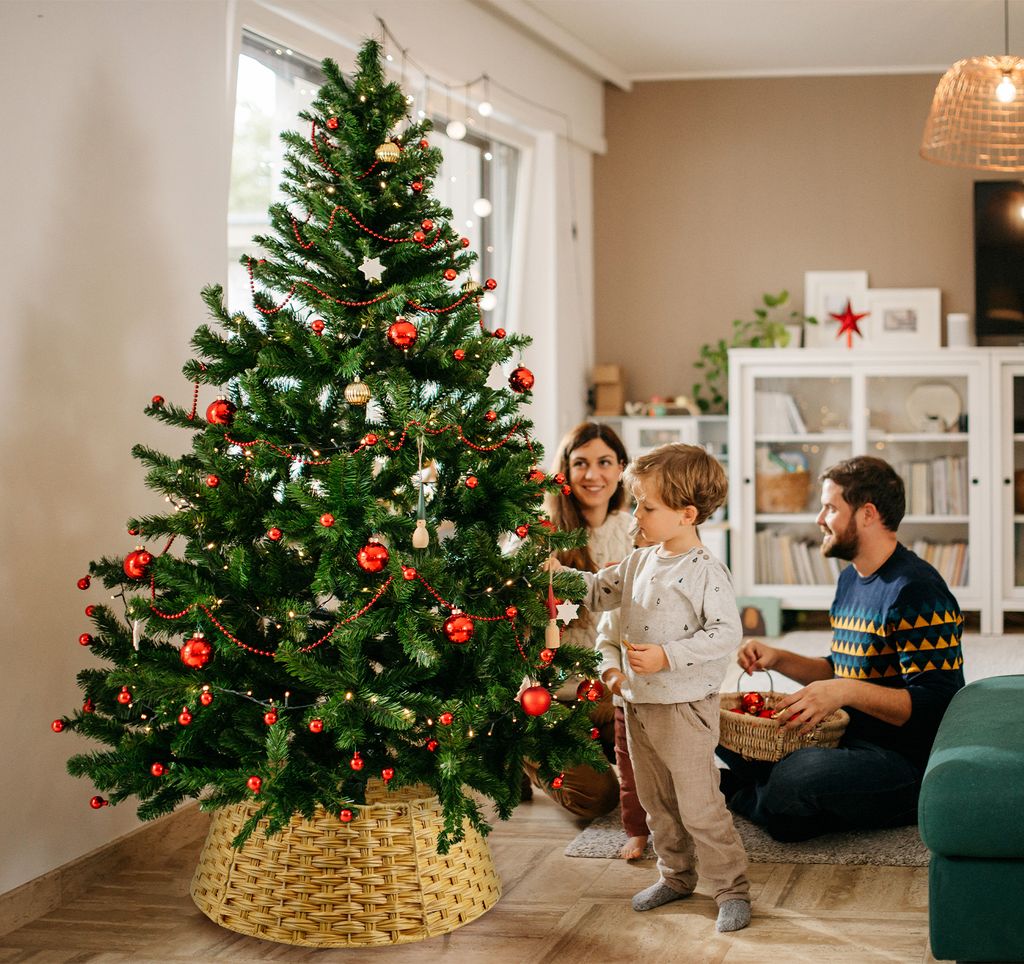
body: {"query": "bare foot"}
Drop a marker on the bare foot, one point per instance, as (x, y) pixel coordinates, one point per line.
(633, 849)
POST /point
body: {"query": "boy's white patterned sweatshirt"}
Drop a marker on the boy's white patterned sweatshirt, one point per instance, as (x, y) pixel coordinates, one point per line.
(684, 603)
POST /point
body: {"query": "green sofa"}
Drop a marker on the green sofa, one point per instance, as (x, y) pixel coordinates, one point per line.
(971, 817)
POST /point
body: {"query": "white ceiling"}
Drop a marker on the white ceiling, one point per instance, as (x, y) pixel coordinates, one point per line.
(629, 40)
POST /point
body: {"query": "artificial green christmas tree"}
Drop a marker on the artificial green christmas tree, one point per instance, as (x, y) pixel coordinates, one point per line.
(328, 600)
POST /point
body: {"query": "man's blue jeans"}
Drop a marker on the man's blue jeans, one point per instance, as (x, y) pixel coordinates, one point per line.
(855, 786)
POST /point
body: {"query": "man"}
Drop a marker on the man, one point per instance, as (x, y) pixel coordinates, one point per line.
(894, 666)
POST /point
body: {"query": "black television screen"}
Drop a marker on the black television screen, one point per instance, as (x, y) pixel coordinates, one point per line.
(999, 262)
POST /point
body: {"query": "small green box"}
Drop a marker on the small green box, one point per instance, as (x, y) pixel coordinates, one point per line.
(760, 615)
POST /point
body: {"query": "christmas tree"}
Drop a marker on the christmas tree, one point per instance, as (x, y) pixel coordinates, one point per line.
(327, 600)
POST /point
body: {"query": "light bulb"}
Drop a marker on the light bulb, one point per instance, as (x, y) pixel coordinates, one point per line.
(456, 130)
(1021, 212)
(482, 207)
(1006, 91)
(485, 108)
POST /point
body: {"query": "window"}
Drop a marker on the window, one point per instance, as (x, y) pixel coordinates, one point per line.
(274, 84)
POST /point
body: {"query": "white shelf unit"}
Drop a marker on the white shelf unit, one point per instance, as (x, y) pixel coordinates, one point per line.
(1008, 501)
(854, 402)
(641, 433)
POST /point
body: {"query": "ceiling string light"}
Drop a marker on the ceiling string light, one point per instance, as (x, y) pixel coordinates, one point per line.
(977, 114)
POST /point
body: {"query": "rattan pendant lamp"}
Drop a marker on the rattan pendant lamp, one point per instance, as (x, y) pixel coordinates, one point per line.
(977, 114)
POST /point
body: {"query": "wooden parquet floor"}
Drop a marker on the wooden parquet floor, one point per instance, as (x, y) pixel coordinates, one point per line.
(553, 909)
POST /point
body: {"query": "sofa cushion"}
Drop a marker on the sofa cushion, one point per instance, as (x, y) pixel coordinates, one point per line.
(972, 796)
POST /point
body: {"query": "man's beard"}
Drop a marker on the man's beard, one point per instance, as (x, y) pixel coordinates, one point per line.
(843, 545)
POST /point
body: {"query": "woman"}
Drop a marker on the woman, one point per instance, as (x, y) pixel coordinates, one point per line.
(592, 459)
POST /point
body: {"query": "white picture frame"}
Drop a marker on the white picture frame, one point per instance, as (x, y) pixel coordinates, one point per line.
(826, 293)
(904, 318)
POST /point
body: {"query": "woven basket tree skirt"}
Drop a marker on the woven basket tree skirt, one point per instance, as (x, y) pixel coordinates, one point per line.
(323, 883)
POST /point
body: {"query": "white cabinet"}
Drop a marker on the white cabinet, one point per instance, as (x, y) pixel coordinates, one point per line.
(1008, 502)
(641, 433)
(793, 413)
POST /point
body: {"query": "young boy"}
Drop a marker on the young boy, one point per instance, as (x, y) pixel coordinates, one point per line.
(680, 624)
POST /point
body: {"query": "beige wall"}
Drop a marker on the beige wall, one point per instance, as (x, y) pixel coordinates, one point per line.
(713, 192)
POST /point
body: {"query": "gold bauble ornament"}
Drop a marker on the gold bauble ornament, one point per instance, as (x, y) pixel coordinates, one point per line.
(388, 152)
(357, 393)
(471, 287)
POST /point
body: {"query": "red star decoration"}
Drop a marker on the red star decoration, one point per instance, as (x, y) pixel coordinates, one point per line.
(848, 323)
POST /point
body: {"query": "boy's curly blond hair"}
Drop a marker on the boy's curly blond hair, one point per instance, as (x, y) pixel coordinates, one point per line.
(684, 475)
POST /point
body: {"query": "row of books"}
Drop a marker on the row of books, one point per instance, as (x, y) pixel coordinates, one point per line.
(776, 413)
(936, 486)
(789, 560)
(784, 559)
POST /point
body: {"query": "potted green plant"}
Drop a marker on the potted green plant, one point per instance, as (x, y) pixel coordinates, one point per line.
(769, 328)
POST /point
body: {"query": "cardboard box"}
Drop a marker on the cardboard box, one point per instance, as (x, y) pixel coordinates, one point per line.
(609, 390)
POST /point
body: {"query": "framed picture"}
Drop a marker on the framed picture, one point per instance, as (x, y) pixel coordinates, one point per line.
(825, 294)
(904, 318)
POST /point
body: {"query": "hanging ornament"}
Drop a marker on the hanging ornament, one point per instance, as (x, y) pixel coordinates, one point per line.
(511, 612)
(57, 726)
(88, 706)
(568, 611)
(590, 691)
(420, 535)
(445, 719)
(464, 242)
(419, 237)
(316, 726)
(90, 610)
(535, 700)
(387, 775)
(427, 224)
(206, 697)
(332, 123)
(220, 412)
(490, 416)
(432, 745)
(458, 354)
(274, 534)
(848, 319)
(373, 557)
(388, 153)
(471, 287)
(472, 481)
(85, 640)
(158, 769)
(270, 717)
(522, 531)
(124, 697)
(556, 784)
(458, 627)
(327, 520)
(552, 638)
(546, 656)
(408, 573)
(318, 326)
(356, 763)
(212, 481)
(157, 401)
(490, 284)
(450, 274)
(196, 652)
(98, 802)
(372, 269)
(137, 563)
(499, 332)
(521, 379)
(417, 186)
(370, 439)
(254, 783)
(357, 393)
(84, 583)
(424, 143)
(346, 816)
(184, 717)
(402, 333)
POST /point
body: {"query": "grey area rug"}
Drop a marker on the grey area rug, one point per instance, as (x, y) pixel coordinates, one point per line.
(896, 847)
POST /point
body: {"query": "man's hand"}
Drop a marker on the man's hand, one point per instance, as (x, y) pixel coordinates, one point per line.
(614, 678)
(647, 658)
(807, 707)
(755, 655)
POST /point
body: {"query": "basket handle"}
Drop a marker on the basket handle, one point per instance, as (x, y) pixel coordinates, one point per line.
(743, 672)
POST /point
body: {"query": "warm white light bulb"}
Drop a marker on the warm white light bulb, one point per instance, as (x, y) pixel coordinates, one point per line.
(456, 130)
(482, 207)
(485, 108)
(1006, 91)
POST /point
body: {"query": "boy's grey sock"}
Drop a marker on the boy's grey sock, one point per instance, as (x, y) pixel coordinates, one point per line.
(733, 915)
(656, 895)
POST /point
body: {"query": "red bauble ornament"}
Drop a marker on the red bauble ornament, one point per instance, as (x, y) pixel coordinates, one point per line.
(490, 284)
(424, 143)
(567, 489)
(450, 274)
(522, 531)
(559, 478)
(490, 416)
(595, 733)
(327, 520)
(184, 717)
(536, 700)
(458, 627)
(84, 582)
(417, 186)
(97, 802)
(499, 332)
(432, 744)
(57, 726)
(318, 326)
(254, 783)
(403, 334)
(274, 534)
(558, 781)
(736, 709)
(536, 476)
(590, 690)
(752, 702)
(445, 719)
(458, 354)
(547, 655)
(511, 612)
(409, 573)
(357, 762)
(90, 610)
(521, 379)
(88, 706)
(133, 532)
(212, 481)
(464, 242)
(196, 652)
(419, 237)
(158, 769)
(370, 439)
(387, 774)
(373, 557)
(221, 412)
(124, 697)
(206, 697)
(766, 714)
(346, 816)
(332, 123)
(316, 726)
(137, 563)
(157, 400)
(472, 481)
(270, 717)
(85, 640)
(427, 224)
